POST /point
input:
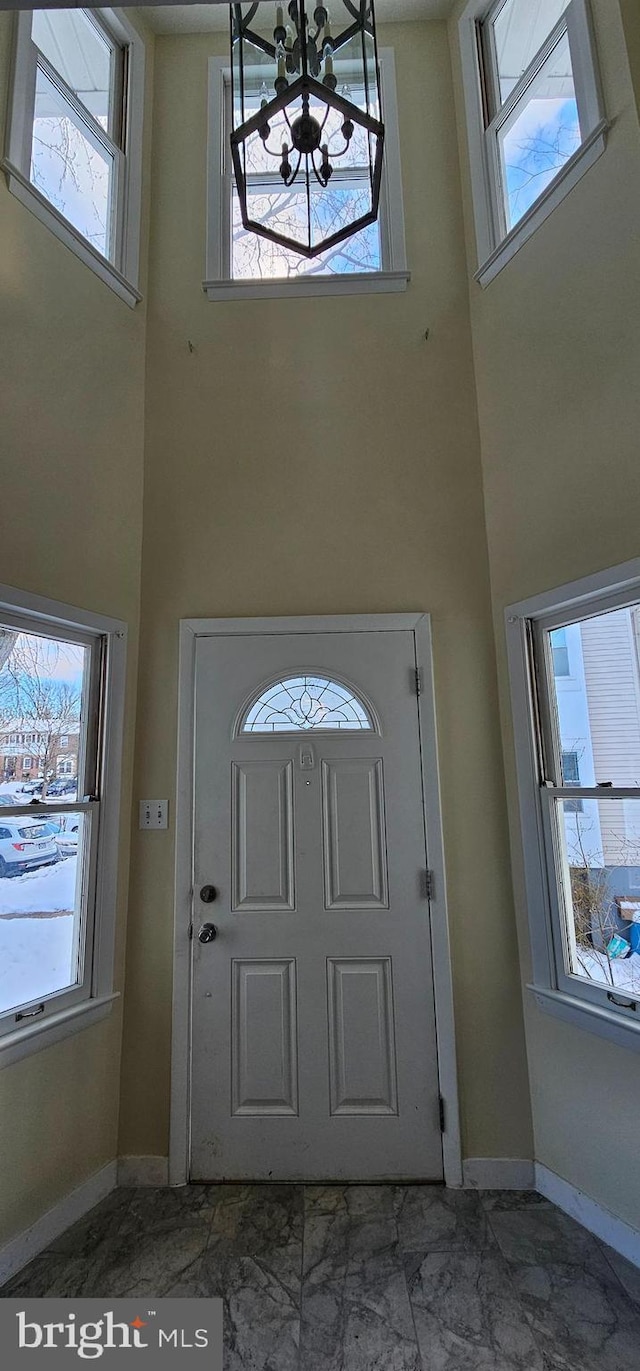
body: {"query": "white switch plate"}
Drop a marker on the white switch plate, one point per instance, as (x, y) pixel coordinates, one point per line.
(154, 814)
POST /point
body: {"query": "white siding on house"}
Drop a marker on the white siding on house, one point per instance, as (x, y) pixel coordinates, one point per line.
(613, 697)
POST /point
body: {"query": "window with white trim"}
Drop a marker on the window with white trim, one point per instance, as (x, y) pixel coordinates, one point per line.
(534, 114)
(242, 264)
(578, 753)
(74, 139)
(60, 670)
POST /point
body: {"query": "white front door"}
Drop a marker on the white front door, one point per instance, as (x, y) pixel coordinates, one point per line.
(313, 1033)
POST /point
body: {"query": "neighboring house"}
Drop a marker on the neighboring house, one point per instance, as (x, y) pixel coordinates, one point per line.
(25, 749)
(597, 677)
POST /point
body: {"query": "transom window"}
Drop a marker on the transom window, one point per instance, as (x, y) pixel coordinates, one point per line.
(285, 209)
(74, 152)
(76, 143)
(534, 122)
(239, 263)
(300, 703)
(533, 109)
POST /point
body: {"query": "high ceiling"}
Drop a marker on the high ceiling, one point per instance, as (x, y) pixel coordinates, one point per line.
(208, 18)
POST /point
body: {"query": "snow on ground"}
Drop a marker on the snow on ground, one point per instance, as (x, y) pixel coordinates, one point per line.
(20, 797)
(35, 958)
(624, 970)
(36, 953)
(47, 890)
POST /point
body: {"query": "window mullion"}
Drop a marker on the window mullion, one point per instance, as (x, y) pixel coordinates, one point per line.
(270, 181)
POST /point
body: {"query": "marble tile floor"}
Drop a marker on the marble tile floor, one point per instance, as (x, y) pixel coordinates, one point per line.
(362, 1278)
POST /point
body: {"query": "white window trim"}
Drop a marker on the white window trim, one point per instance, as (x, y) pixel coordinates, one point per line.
(122, 277)
(611, 588)
(218, 287)
(494, 250)
(59, 1022)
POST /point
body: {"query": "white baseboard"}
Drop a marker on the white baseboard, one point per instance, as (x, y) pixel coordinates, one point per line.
(606, 1226)
(143, 1171)
(479, 1173)
(20, 1250)
(498, 1173)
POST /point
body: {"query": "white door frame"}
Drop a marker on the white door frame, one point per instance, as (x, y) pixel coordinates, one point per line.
(190, 631)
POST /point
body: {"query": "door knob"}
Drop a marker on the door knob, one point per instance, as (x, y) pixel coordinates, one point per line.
(207, 934)
(208, 894)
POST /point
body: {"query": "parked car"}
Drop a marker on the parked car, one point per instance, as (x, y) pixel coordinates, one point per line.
(32, 788)
(66, 838)
(67, 842)
(68, 787)
(25, 844)
(8, 800)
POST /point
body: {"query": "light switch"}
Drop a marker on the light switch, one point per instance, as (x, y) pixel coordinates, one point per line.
(154, 814)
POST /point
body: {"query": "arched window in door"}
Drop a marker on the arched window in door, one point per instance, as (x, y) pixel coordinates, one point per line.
(305, 702)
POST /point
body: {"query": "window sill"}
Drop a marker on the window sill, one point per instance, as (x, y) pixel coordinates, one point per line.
(353, 283)
(593, 1018)
(34, 1037)
(62, 229)
(567, 178)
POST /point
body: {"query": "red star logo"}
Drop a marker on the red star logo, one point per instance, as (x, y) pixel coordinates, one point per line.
(138, 1322)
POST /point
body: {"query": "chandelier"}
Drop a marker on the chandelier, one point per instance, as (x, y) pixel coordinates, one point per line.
(307, 135)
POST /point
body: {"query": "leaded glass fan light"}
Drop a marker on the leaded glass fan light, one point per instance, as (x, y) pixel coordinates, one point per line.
(301, 703)
(306, 107)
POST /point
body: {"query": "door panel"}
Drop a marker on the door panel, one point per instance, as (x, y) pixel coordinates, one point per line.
(313, 1030)
(264, 1038)
(262, 835)
(355, 844)
(362, 1053)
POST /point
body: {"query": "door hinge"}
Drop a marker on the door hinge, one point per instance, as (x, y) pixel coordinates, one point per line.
(190, 932)
(417, 676)
(427, 884)
(442, 1114)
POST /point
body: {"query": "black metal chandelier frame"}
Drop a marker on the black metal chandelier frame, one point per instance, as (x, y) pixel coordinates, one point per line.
(305, 87)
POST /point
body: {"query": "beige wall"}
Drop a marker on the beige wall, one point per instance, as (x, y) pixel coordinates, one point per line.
(72, 436)
(557, 360)
(358, 489)
(317, 456)
(631, 20)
